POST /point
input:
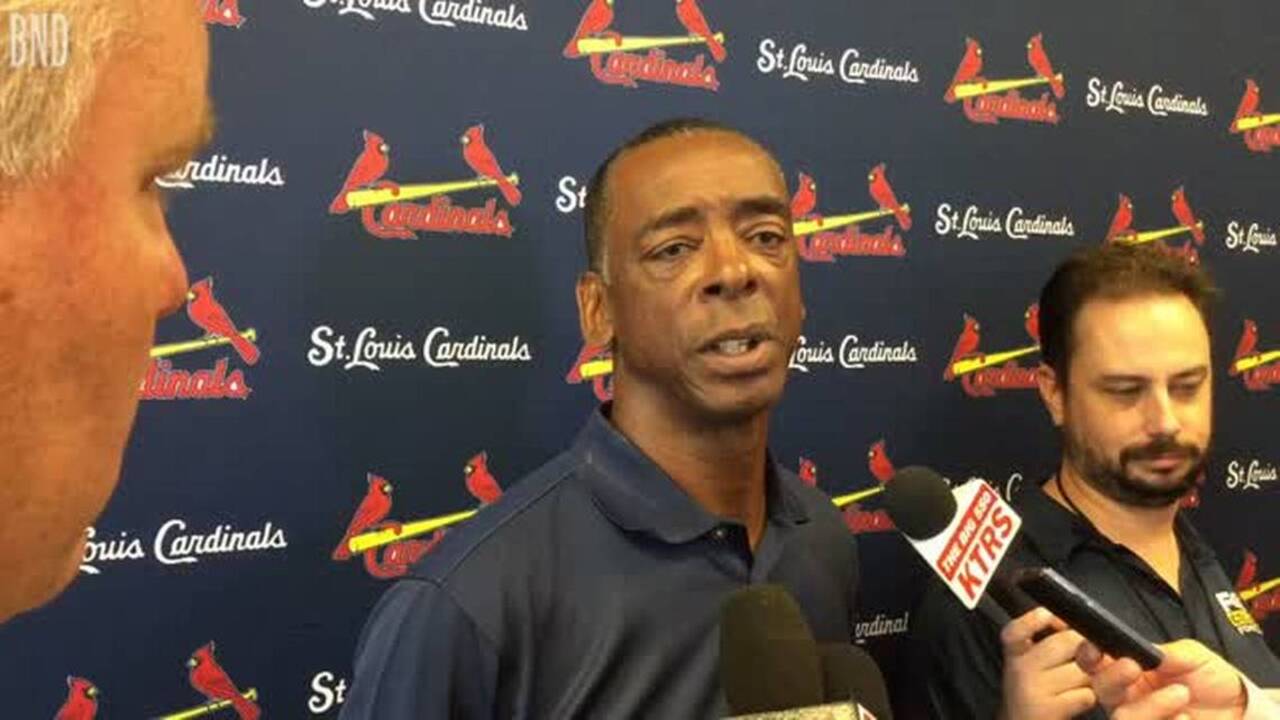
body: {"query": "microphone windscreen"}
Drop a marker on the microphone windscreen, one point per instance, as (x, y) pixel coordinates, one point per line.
(850, 674)
(919, 502)
(768, 657)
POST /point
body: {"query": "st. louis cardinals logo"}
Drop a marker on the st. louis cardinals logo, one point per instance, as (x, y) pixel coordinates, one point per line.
(612, 64)
(594, 364)
(387, 546)
(1261, 131)
(1121, 228)
(385, 210)
(1257, 369)
(982, 374)
(81, 702)
(982, 100)
(222, 12)
(858, 519)
(817, 237)
(1262, 597)
(165, 382)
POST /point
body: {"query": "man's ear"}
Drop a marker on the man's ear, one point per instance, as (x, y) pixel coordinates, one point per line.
(595, 317)
(1052, 392)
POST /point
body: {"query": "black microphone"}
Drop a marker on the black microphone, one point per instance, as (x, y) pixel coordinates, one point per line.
(850, 675)
(768, 657)
(965, 534)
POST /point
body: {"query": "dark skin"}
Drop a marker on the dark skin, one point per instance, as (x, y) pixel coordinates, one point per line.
(700, 296)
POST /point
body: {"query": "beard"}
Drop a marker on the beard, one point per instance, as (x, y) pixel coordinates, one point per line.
(1113, 479)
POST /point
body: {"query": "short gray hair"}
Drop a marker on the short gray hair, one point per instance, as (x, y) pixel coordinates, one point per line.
(40, 107)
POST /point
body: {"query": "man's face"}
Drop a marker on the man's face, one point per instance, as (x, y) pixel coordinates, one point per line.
(703, 293)
(1136, 415)
(87, 266)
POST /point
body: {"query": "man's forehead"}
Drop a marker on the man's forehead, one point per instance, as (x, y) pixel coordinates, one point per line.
(1143, 335)
(731, 165)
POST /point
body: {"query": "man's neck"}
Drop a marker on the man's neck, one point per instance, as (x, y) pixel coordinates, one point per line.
(1148, 532)
(722, 467)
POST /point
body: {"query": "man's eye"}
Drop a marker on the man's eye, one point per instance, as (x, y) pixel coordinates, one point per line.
(672, 251)
(1124, 392)
(769, 238)
(1186, 389)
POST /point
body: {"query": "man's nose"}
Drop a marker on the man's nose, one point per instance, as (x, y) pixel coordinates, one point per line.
(727, 266)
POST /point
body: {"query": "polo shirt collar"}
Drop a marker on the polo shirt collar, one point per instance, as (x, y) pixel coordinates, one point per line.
(638, 496)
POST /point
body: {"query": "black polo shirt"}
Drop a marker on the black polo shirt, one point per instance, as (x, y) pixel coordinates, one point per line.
(593, 589)
(956, 655)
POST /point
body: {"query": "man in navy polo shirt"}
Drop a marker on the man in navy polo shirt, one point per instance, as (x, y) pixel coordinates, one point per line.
(593, 588)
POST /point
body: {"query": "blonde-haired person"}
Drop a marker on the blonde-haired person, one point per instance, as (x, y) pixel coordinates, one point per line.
(87, 264)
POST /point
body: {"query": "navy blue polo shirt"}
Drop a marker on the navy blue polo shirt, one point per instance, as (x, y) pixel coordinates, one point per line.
(957, 653)
(593, 588)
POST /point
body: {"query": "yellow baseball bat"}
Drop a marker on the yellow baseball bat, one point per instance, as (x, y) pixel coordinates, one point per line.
(208, 708)
(968, 90)
(1253, 361)
(843, 500)
(968, 365)
(1153, 235)
(601, 45)
(383, 196)
(203, 343)
(1257, 121)
(808, 227)
(1254, 591)
(386, 536)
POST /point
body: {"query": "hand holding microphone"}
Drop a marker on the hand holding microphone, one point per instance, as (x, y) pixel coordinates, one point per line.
(964, 536)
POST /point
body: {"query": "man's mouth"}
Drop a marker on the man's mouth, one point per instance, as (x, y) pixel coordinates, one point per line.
(738, 346)
(737, 342)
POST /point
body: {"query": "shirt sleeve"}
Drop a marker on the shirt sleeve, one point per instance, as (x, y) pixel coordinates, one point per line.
(421, 656)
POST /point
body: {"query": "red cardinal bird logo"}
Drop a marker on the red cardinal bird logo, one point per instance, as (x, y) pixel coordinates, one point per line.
(595, 22)
(970, 66)
(1248, 104)
(883, 195)
(1122, 221)
(370, 166)
(691, 17)
(210, 680)
(601, 385)
(1247, 346)
(205, 311)
(966, 345)
(808, 472)
(1186, 218)
(375, 506)
(878, 461)
(1264, 604)
(81, 702)
(480, 159)
(1040, 63)
(1031, 319)
(806, 198)
(482, 485)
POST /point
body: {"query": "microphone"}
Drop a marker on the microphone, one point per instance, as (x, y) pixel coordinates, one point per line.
(965, 533)
(772, 668)
(850, 675)
(768, 657)
(968, 558)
